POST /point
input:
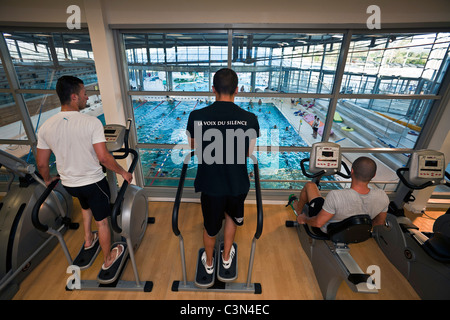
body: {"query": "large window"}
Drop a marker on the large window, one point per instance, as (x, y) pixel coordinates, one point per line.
(387, 87)
(369, 90)
(174, 61)
(399, 76)
(280, 62)
(27, 83)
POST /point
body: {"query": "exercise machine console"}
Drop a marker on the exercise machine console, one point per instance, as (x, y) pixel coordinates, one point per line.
(325, 159)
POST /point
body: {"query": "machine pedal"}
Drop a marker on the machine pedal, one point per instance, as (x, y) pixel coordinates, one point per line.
(86, 257)
(202, 278)
(113, 272)
(230, 274)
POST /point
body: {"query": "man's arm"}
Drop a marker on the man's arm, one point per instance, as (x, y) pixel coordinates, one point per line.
(379, 219)
(109, 162)
(42, 161)
(251, 147)
(316, 221)
(192, 143)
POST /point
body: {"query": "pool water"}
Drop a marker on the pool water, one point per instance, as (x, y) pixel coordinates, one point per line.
(165, 122)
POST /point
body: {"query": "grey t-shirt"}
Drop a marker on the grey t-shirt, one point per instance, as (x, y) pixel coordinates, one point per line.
(345, 203)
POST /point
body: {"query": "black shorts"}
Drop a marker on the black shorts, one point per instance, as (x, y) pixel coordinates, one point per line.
(94, 196)
(315, 205)
(215, 207)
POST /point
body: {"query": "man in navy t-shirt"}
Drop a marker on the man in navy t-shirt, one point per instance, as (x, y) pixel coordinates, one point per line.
(223, 135)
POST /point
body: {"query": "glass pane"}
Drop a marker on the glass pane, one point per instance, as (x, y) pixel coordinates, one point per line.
(43, 106)
(164, 120)
(285, 62)
(381, 123)
(396, 63)
(40, 58)
(19, 151)
(24, 152)
(174, 61)
(283, 122)
(162, 167)
(3, 80)
(11, 126)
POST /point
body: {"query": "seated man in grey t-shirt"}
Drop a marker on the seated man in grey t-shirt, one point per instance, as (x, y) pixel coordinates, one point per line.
(344, 203)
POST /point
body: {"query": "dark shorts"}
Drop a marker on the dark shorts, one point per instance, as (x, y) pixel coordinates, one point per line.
(215, 207)
(95, 197)
(315, 205)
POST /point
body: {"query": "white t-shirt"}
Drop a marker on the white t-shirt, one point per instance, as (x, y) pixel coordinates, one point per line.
(345, 203)
(70, 135)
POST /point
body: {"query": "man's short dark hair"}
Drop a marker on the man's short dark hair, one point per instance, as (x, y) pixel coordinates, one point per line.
(225, 81)
(364, 169)
(67, 85)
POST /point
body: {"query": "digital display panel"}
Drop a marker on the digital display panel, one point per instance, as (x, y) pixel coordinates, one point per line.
(431, 163)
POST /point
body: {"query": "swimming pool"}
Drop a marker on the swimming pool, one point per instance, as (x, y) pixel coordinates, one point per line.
(164, 122)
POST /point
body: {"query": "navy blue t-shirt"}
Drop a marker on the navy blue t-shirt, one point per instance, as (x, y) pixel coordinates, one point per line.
(222, 131)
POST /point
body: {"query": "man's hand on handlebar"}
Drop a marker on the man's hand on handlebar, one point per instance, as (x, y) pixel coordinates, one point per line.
(127, 176)
(50, 180)
(301, 218)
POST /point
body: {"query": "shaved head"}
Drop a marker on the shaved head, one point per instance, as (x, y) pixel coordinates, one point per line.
(364, 169)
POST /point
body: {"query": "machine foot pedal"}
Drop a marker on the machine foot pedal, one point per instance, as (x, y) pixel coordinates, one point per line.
(113, 272)
(86, 257)
(230, 274)
(202, 278)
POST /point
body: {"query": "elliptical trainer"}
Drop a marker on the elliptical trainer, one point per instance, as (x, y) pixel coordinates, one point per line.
(22, 247)
(129, 221)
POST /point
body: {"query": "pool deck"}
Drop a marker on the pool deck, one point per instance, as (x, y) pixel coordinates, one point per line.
(384, 173)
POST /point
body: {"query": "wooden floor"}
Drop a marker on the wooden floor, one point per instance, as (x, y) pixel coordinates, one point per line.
(281, 266)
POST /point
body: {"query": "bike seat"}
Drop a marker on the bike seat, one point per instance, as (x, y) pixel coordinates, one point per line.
(438, 247)
(354, 229)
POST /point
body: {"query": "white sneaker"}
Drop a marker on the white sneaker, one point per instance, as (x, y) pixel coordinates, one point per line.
(227, 264)
(209, 269)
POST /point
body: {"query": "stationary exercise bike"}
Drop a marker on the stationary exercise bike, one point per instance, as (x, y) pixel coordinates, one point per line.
(129, 221)
(224, 281)
(423, 258)
(22, 247)
(329, 252)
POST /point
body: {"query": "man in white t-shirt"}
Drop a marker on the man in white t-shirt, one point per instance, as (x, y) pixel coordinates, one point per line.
(344, 203)
(78, 142)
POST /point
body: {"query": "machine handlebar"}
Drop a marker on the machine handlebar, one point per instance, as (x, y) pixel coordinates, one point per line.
(120, 196)
(310, 175)
(322, 172)
(447, 175)
(176, 206)
(400, 171)
(35, 212)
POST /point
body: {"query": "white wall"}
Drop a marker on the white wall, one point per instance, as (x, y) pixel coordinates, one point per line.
(233, 11)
